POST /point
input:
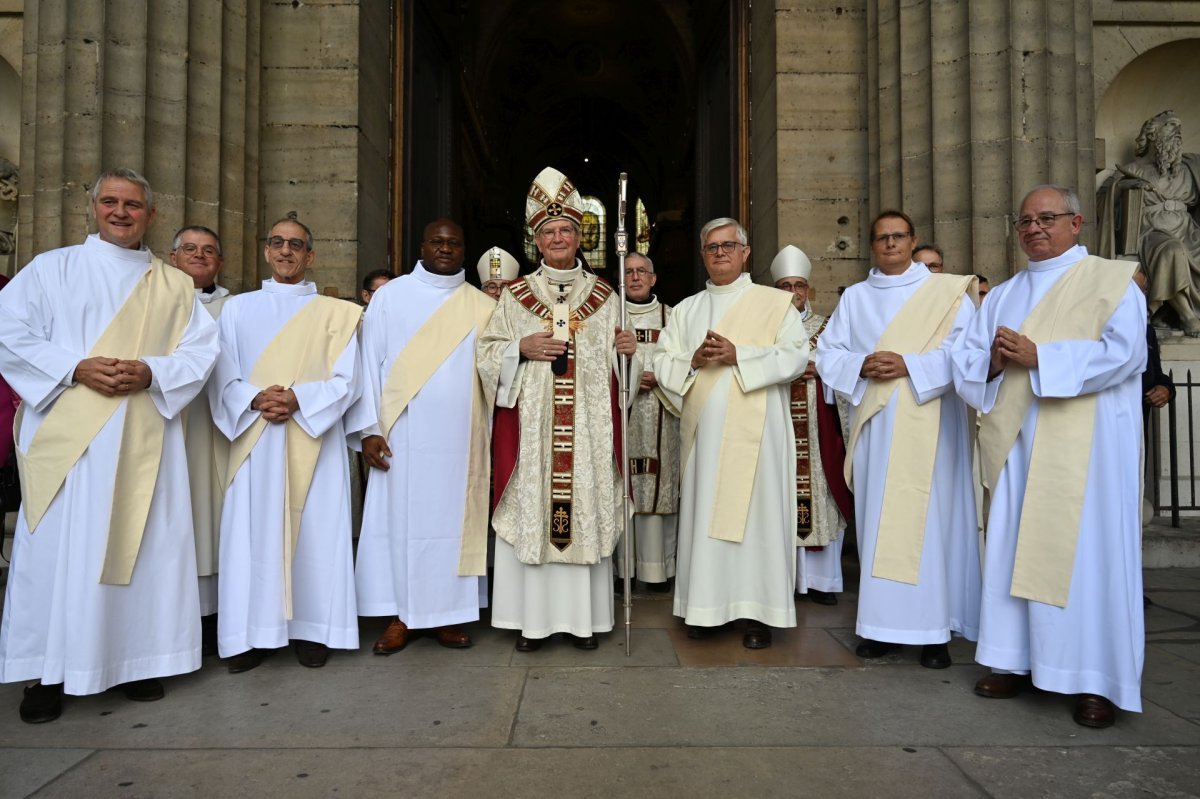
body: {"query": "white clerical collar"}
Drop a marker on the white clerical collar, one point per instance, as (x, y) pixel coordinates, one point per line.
(1068, 258)
(102, 248)
(742, 281)
(217, 293)
(916, 271)
(295, 289)
(807, 312)
(649, 306)
(438, 281)
(562, 275)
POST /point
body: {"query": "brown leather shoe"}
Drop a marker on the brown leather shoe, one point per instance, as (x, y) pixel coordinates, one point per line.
(452, 636)
(311, 655)
(1094, 711)
(394, 638)
(1001, 686)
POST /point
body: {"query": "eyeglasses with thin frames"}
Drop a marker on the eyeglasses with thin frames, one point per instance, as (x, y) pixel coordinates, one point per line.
(1044, 221)
(208, 251)
(726, 247)
(886, 237)
(277, 242)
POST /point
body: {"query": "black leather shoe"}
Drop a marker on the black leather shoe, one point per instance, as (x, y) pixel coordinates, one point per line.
(695, 632)
(41, 703)
(757, 636)
(871, 648)
(663, 587)
(528, 644)
(935, 656)
(245, 661)
(821, 597)
(143, 690)
(588, 642)
(311, 654)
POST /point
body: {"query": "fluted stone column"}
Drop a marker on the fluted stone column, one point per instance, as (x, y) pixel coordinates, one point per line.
(970, 105)
(166, 87)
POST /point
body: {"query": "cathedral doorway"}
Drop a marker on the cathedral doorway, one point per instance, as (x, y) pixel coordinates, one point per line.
(487, 94)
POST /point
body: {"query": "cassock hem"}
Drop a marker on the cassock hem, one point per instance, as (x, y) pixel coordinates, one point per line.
(578, 632)
(86, 683)
(715, 617)
(894, 636)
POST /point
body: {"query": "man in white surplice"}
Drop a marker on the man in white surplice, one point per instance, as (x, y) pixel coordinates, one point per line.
(731, 352)
(653, 436)
(287, 373)
(887, 350)
(1062, 589)
(68, 622)
(196, 251)
(546, 362)
(410, 548)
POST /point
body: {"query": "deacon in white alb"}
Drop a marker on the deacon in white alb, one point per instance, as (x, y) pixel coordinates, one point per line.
(653, 436)
(496, 270)
(196, 251)
(1054, 361)
(887, 350)
(732, 352)
(422, 554)
(287, 373)
(547, 359)
(822, 499)
(107, 345)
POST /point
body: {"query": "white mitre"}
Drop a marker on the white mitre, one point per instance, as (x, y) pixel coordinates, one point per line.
(790, 262)
(496, 264)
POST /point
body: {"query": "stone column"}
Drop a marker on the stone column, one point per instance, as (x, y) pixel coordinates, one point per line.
(970, 105)
(166, 87)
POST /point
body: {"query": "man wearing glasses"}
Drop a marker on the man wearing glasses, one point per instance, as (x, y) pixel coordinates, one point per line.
(287, 373)
(196, 251)
(653, 435)
(908, 459)
(1054, 363)
(546, 361)
(732, 352)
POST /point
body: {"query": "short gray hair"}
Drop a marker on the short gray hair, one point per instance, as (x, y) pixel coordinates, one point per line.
(645, 258)
(720, 222)
(195, 229)
(293, 217)
(124, 174)
(1068, 195)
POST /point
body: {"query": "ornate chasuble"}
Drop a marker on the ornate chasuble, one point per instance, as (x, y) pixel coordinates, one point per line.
(806, 446)
(566, 321)
(920, 326)
(1077, 307)
(303, 351)
(653, 424)
(150, 323)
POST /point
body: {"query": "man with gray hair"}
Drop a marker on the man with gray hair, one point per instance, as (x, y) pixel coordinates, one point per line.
(196, 251)
(1054, 361)
(107, 346)
(732, 352)
(1169, 215)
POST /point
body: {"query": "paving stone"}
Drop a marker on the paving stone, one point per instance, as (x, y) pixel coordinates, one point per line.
(23, 771)
(1094, 771)
(1172, 682)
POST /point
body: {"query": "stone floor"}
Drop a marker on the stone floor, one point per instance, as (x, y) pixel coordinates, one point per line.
(677, 718)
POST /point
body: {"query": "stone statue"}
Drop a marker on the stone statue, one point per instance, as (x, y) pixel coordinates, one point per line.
(8, 193)
(1150, 208)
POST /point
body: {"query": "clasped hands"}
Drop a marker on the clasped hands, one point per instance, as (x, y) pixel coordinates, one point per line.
(544, 347)
(884, 365)
(276, 403)
(1009, 345)
(113, 376)
(715, 350)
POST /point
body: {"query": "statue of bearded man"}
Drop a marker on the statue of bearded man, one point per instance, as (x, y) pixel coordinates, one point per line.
(1165, 210)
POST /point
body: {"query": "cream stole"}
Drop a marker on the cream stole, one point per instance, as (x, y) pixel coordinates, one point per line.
(920, 326)
(149, 323)
(303, 351)
(753, 320)
(465, 310)
(1076, 307)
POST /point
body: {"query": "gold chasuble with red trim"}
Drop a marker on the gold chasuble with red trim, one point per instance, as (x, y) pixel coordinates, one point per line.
(556, 490)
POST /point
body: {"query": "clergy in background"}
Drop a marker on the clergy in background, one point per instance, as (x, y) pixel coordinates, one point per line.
(732, 352)
(822, 500)
(887, 350)
(546, 359)
(425, 430)
(107, 345)
(496, 269)
(1058, 350)
(196, 251)
(653, 436)
(287, 373)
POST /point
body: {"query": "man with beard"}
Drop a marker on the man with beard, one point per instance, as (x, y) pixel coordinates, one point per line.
(1169, 246)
